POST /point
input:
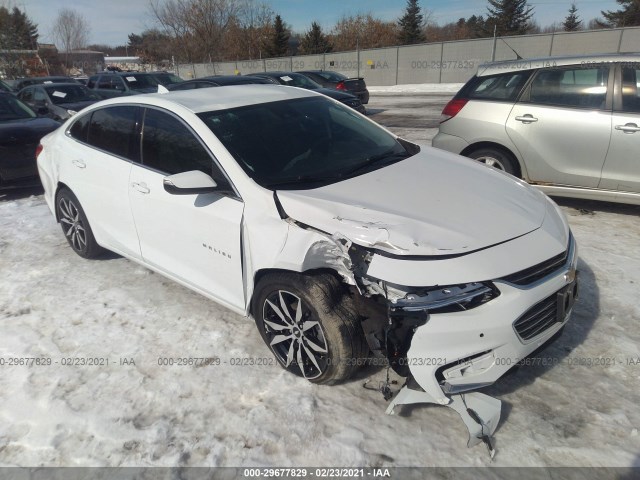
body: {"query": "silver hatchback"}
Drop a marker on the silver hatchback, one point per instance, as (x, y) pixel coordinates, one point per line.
(571, 126)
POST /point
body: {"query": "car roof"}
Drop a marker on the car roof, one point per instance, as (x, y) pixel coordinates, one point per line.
(56, 84)
(220, 98)
(493, 68)
(274, 74)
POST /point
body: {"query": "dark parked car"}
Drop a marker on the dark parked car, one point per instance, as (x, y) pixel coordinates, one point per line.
(25, 82)
(4, 87)
(294, 79)
(217, 81)
(117, 84)
(338, 81)
(20, 133)
(58, 100)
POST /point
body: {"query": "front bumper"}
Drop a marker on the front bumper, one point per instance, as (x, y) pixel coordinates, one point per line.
(461, 351)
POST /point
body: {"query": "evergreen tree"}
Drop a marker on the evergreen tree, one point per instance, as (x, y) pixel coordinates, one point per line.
(279, 45)
(509, 17)
(314, 41)
(572, 21)
(476, 26)
(17, 31)
(411, 25)
(627, 16)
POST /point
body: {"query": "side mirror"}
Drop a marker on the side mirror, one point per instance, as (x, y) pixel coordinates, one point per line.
(42, 110)
(189, 183)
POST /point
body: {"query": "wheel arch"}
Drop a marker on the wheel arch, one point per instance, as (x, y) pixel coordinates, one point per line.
(59, 187)
(262, 273)
(521, 169)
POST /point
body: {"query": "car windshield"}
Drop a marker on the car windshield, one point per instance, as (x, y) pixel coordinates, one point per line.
(303, 143)
(298, 80)
(140, 82)
(13, 109)
(167, 78)
(332, 76)
(60, 94)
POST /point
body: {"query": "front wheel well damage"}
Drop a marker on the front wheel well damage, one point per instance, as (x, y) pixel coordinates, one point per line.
(388, 333)
(265, 272)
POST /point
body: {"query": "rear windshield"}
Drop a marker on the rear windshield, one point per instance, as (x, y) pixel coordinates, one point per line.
(332, 76)
(139, 82)
(298, 80)
(503, 87)
(70, 94)
(167, 78)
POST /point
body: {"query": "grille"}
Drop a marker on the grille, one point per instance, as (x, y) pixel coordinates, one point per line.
(541, 270)
(538, 318)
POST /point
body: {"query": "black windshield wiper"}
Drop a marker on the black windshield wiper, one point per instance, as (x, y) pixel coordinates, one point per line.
(302, 180)
(387, 156)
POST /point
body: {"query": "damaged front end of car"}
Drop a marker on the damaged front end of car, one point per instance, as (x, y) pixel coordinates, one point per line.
(456, 336)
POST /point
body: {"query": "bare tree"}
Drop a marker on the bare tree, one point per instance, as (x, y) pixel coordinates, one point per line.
(71, 30)
(198, 25)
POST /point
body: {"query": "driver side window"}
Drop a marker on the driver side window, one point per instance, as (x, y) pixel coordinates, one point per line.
(170, 147)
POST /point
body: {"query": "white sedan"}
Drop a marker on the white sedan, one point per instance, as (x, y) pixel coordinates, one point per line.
(340, 239)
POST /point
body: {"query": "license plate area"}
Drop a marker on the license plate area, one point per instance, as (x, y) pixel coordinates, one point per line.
(565, 299)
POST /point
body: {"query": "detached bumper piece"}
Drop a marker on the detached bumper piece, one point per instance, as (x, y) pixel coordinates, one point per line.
(479, 412)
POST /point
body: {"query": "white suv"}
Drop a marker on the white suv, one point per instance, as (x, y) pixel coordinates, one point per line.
(338, 237)
(570, 125)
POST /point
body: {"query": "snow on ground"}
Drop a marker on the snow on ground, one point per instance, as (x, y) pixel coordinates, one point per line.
(56, 305)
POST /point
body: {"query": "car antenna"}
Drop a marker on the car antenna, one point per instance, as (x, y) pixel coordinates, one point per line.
(510, 48)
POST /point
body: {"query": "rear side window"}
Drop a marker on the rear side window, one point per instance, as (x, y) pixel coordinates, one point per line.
(575, 87)
(80, 128)
(631, 89)
(113, 129)
(505, 87)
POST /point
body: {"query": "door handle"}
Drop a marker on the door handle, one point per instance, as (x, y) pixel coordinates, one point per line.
(628, 128)
(141, 187)
(527, 118)
(79, 163)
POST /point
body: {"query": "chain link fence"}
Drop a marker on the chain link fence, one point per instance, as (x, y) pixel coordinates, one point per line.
(445, 62)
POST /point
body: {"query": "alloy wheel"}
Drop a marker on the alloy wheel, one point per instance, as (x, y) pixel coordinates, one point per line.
(296, 338)
(72, 224)
(492, 162)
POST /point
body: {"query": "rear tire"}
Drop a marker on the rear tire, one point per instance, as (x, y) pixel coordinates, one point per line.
(75, 225)
(496, 158)
(310, 324)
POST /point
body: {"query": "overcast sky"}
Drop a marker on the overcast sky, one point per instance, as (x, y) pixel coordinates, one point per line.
(113, 20)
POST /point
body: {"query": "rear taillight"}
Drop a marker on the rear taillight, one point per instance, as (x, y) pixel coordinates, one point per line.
(341, 86)
(452, 108)
(39, 150)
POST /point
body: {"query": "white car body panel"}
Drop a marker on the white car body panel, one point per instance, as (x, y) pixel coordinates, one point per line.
(490, 263)
(431, 211)
(431, 220)
(195, 238)
(100, 183)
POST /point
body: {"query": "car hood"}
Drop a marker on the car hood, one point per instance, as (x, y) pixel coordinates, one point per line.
(432, 204)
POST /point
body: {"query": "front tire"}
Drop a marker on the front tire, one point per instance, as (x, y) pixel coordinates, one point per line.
(75, 225)
(310, 325)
